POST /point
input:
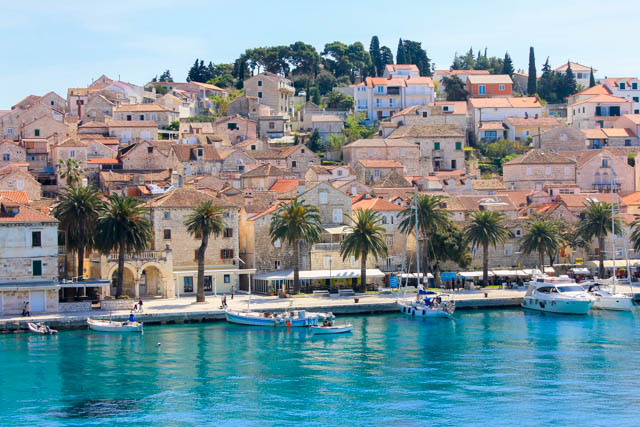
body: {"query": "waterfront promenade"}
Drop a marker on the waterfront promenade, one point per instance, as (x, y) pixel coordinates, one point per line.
(184, 309)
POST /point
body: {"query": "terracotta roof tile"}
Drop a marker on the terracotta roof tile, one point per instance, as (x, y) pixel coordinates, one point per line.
(380, 163)
(132, 124)
(426, 131)
(140, 108)
(375, 204)
(24, 213)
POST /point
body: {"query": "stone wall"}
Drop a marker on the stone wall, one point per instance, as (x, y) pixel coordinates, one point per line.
(117, 304)
(68, 307)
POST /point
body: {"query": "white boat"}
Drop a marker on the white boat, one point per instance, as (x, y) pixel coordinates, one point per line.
(332, 329)
(113, 326)
(41, 329)
(296, 318)
(428, 309)
(557, 295)
(605, 300)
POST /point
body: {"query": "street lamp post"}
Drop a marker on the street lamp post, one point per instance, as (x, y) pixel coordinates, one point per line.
(330, 275)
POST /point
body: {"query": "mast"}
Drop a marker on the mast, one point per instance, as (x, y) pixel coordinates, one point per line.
(415, 198)
(624, 241)
(613, 225)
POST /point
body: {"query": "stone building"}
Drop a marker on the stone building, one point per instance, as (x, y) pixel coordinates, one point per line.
(378, 149)
(441, 146)
(538, 168)
(563, 138)
(11, 152)
(16, 179)
(145, 112)
(130, 131)
(144, 156)
(271, 90)
(369, 171)
(29, 259)
(195, 159)
(70, 148)
(264, 176)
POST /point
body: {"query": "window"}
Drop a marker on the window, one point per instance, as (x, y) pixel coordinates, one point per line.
(458, 146)
(259, 82)
(376, 173)
(36, 266)
(501, 88)
(72, 153)
(167, 215)
(627, 143)
(380, 89)
(52, 103)
(337, 216)
(277, 264)
(302, 151)
(424, 114)
(327, 262)
(227, 278)
(634, 86)
(294, 164)
(547, 171)
(567, 171)
(128, 117)
(149, 150)
(482, 90)
(508, 250)
(636, 99)
(453, 164)
(141, 117)
(36, 132)
(226, 253)
(384, 219)
(518, 232)
(277, 243)
(187, 283)
(200, 152)
(6, 157)
(36, 239)
(259, 94)
(436, 145)
(605, 163)
(323, 198)
(272, 125)
(228, 232)
(389, 240)
(167, 234)
(154, 117)
(529, 172)
(10, 131)
(622, 85)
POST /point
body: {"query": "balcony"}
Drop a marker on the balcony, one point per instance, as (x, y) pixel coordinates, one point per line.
(326, 247)
(437, 154)
(138, 256)
(607, 187)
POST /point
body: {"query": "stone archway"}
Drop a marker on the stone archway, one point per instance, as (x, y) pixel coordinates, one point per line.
(151, 281)
(128, 281)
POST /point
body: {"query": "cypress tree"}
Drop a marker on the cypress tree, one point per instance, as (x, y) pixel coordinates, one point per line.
(592, 79)
(376, 57)
(507, 65)
(569, 86)
(532, 82)
(401, 57)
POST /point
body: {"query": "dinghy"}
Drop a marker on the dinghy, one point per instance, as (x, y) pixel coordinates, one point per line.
(41, 329)
(332, 329)
(113, 326)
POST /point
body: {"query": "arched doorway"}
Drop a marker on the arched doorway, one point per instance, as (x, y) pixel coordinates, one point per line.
(151, 283)
(128, 282)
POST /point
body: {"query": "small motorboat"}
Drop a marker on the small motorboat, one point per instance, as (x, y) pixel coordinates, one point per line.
(41, 329)
(605, 300)
(431, 306)
(299, 318)
(332, 329)
(114, 326)
(560, 295)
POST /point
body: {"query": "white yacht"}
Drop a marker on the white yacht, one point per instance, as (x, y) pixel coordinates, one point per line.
(605, 300)
(557, 295)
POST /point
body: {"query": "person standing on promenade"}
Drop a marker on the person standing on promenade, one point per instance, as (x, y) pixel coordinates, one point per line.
(233, 289)
(27, 309)
(140, 305)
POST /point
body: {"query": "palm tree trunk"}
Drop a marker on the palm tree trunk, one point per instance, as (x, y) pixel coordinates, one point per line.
(363, 273)
(601, 257)
(436, 275)
(541, 260)
(485, 263)
(80, 272)
(201, 251)
(296, 271)
(120, 278)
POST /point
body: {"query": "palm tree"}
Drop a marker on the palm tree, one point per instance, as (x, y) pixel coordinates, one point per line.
(365, 238)
(206, 219)
(541, 236)
(70, 171)
(77, 212)
(432, 217)
(486, 229)
(595, 222)
(122, 226)
(295, 222)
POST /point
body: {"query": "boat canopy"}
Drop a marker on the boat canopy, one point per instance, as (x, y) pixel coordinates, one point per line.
(581, 270)
(319, 274)
(608, 263)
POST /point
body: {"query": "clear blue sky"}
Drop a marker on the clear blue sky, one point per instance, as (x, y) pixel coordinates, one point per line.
(55, 45)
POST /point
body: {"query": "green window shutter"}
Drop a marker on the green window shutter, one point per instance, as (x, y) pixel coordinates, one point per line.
(458, 145)
(37, 132)
(436, 145)
(37, 268)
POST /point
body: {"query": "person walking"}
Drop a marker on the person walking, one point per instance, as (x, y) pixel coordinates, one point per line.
(140, 305)
(24, 308)
(233, 289)
(27, 309)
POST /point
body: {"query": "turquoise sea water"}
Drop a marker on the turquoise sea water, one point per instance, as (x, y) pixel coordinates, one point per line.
(487, 367)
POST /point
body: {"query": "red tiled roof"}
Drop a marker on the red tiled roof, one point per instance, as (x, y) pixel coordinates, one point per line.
(375, 204)
(285, 185)
(17, 196)
(103, 161)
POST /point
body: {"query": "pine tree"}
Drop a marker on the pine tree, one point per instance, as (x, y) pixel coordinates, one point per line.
(457, 62)
(401, 57)
(569, 85)
(376, 57)
(532, 82)
(386, 57)
(592, 79)
(194, 72)
(507, 65)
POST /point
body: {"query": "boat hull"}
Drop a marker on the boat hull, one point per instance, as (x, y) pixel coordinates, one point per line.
(558, 306)
(423, 311)
(254, 319)
(108, 326)
(326, 330)
(613, 302)
(36, 330)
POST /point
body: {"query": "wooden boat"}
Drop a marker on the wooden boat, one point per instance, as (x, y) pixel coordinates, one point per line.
(41, 329)
(332, 329)
(298, 318)
(113, 326)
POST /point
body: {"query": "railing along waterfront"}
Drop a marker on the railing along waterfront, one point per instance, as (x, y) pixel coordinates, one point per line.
(137, 256)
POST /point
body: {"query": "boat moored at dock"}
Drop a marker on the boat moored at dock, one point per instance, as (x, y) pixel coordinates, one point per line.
(296, 318)
(557, 295)
(114, 326)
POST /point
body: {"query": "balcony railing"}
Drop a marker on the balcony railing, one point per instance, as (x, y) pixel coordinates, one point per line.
(137, 256)
(326, 247)
(607, 187)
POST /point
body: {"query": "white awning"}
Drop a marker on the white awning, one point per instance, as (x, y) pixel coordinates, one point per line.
(319, 274)
(581, 270)
(474, 274)
(343, 229)
(413, 275)
(505, 273)
(608, 263)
